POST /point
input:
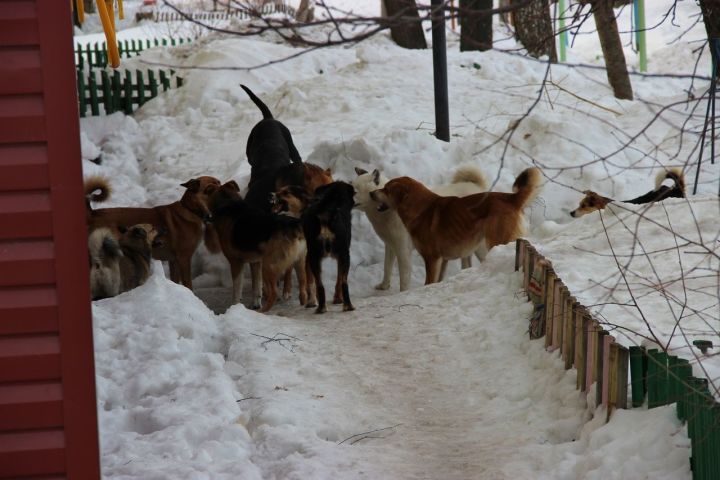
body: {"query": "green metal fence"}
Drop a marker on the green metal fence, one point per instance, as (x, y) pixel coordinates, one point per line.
(95, 55)
(100, 92)
(667, 379)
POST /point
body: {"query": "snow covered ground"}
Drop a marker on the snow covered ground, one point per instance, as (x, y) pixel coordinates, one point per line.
(443, 376)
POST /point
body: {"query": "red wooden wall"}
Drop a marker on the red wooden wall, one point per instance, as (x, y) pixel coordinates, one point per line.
(48, 418)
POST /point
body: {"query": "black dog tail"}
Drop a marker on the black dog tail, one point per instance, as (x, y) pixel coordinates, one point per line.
(267, 114)
(676, 175)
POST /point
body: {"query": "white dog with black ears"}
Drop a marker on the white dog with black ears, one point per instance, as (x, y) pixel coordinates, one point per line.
(467, 180)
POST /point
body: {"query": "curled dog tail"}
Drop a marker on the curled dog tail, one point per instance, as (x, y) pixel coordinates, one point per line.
(470, 174)
(527, 186)
(97, 189)
(267, 114)
(676, 175)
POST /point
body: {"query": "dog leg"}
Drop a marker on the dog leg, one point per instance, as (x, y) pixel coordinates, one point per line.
(174, 271)
(287, 284)
(432, 269)
(343, 270)
(256, 271)
(443, 269)
(387, 273)
(302, 280)
(404, 258)
(465, 262)
(236, 269)
(311, 288)
(184, 262)
(316, 268)
(337, 296)
(481, 251)
(269, 279)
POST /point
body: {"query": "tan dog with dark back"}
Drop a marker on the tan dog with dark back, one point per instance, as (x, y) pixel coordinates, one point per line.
(446, 228)
(181, 223)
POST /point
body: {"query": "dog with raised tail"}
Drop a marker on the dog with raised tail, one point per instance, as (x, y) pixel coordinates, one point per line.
(467, 180)
(669, 183)
(181, 223)
(445, 228)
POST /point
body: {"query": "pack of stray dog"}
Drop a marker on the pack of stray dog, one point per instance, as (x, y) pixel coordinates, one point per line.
(294, 214)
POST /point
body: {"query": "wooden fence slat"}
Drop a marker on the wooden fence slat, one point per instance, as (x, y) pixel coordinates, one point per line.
(128, 89)
(107, 91)
(92, 84)
(569, 331)
(623, 361)
(599, 365)
(662, 380)
(140, 87)
(580, 343)
(637, 375)
(550, 292)
(81, 93)
(557, 315)
(606, 375)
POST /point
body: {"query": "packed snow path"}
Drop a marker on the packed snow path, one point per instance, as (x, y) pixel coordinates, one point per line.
(446, 371)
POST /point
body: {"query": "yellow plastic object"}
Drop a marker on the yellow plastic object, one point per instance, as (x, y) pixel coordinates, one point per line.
(80, 10)
(121, 11)
(111, 12)
(112, 46)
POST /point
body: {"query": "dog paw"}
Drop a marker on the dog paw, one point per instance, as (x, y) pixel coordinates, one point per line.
(311, 304)
(286, 296)
(322, 309)
(382, 286)
(348, 308)
(337, 301)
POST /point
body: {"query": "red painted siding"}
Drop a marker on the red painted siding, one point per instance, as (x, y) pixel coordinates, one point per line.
(48, 420)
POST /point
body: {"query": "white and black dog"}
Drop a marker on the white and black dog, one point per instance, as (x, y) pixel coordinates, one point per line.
(467, 180)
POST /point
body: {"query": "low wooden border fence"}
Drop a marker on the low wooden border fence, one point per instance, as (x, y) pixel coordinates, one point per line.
(583, 344)
(172, 16)
(120, 92)
(95, 55)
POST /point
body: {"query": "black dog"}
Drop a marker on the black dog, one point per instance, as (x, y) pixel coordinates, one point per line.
(327, 226)
(270, 148)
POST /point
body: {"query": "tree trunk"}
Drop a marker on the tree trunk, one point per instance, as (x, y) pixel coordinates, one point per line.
(406, 30)
(475, 30)
(611, 45)
(534, 29)
(305, 12)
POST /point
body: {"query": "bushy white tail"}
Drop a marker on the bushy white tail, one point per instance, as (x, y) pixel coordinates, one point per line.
(470, 174)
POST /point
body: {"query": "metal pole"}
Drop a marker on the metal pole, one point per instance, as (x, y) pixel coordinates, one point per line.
(640, 32)
(563, 33)
(442, 115)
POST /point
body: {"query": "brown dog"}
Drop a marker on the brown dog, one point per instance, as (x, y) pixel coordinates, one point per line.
(445, 228)
(248, 234)
(181, 222)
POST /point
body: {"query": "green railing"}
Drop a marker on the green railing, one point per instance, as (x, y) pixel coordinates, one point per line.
(101, 92)
(570, 329)
(95, 55)
(665, 379)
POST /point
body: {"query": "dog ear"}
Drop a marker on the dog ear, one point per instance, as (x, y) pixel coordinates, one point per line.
(328, 172)
(588, 192)
(233, 184)
(192, 185)
(376, 176)
(359, 171)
